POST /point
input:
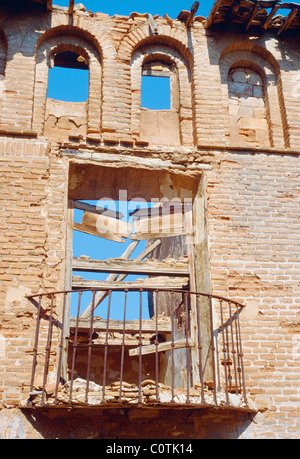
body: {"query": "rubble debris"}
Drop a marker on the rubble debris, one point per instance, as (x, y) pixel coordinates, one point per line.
(126, 393)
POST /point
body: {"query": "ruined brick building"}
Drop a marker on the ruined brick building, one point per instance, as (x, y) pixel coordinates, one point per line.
(204, 341)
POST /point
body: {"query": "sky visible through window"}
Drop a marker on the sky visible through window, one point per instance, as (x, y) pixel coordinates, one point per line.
(68, 85)
(100, 249)
(156, 93)
(71, 85)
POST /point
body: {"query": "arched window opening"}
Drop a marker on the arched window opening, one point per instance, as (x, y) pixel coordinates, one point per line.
(160, 86)
(68, 86)
(160, 103)
(248, 108)
(67, 95)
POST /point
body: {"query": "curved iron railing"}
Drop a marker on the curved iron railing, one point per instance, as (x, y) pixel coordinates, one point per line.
(190, 356)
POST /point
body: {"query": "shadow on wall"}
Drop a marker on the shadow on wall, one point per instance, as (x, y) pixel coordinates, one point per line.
(132, 424)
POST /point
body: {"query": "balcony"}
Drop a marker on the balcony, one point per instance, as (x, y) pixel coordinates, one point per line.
(124, 358)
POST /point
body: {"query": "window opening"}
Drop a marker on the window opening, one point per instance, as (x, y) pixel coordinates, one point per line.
(68, 80)
(158, 226)
(89, 246)
(156, 93)
(247, 107)
(104, 231)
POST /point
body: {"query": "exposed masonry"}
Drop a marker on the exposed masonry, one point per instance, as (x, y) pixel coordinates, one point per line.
(233, 125)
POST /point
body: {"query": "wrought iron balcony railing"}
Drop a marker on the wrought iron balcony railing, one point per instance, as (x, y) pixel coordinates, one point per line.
(189, 356)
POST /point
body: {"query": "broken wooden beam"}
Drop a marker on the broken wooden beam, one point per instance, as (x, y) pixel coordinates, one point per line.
(288, 21)
(152, 24)
(71, 6)
(213, 13)
(104, 227)
(270, 17)
(101, 295)
(161, 347)
(97, 210)
(252, 16)
(192, 14)
(166, 209)
(124, 266)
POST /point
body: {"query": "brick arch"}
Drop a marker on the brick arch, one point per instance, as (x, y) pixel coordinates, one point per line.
(258, 51)
(165, 53)
(71, 31)
(264, 63)
(167, 35)
(53, 45)
(57, 23)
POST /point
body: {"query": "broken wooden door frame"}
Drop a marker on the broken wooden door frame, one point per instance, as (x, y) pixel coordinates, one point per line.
(199, 279)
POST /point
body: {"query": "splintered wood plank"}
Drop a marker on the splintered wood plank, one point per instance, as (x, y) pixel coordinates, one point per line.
(105, 227)
(165, 226)
(161, 347)
(121, 266)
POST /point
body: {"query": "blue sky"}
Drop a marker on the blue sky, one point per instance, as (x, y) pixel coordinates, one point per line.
(172, 8)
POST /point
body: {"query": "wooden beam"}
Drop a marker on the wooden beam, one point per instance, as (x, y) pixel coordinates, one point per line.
(148, 326)
(166, 209)
(270, 17)
(234, 10)
(71, 6)
(112, 277)
(288, 21)
(97, 210)
(192, 14)
(161, 347)
(167, 226)
(104, 227)
(152, 24)
(49, 5)
(124, 266)
(173, 283)
(252, 16)
(213, 13)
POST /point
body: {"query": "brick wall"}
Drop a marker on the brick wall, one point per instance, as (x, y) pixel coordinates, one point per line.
(253, 219)
(252, 194)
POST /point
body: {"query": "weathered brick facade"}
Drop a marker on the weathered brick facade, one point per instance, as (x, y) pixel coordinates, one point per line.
(246, 152)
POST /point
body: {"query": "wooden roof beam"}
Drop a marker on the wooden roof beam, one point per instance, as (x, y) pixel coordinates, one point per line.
(213, 13)
(288, 21)
(234, 10)
(252, 15)
(71, 6)
(49, 5)
(270, 17)
(192, 14)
